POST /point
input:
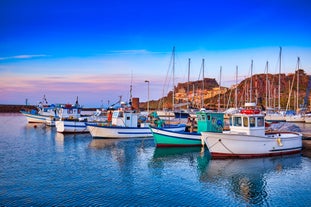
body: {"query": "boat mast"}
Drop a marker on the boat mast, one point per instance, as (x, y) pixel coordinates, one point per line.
(219, 89)
(267, 65)
(280, 66)
(173, 107)
(298, 62)
(251, 84)
(236, 87)
(188, 86)
(202, 94)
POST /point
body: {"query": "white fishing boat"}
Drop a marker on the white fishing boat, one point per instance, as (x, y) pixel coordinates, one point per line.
(124, 124)
(70, 119)
(43, 113)
(247, 138)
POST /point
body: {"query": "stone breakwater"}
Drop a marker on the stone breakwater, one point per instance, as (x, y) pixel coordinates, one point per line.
(14, 108)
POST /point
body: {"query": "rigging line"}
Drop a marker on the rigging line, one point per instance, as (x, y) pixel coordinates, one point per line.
(226, 147)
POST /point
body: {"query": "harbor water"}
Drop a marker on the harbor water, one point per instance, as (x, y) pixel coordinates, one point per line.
(40, 167)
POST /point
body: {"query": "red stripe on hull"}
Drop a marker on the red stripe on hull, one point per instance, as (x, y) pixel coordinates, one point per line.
(216, 155)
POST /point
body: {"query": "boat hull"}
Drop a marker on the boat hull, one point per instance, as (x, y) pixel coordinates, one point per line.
(167, 138)
(275, 118)
(100, 131)
(297, 119)
(224, 145)
(65, 126)
(308, 120)
(37, 118)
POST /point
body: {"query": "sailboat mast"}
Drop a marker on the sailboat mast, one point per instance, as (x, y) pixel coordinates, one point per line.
(236, 88)
(173, 107)
(267, 65)
(219, 89)
(280, 66)
(202, 98)
(188, 86)
(251, 84)
(298, 62)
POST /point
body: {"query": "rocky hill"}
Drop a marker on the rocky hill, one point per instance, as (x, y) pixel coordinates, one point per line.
(288, 82)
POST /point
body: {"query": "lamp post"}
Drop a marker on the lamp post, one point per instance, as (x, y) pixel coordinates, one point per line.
(146, 81)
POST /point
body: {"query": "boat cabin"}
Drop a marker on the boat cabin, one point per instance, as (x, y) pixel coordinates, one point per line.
(124, 118)
(68, 111)
(248, 122)
(210, 121)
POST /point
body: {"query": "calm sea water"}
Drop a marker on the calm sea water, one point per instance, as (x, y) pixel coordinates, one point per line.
(40, 167)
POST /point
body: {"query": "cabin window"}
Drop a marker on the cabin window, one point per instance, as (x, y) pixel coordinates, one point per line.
(245, 121)
(237, 121)
(252, 121)
(115, 114)
(128, 118)
(260, 121)
(203, 117)
(208, 117)
(199, 117)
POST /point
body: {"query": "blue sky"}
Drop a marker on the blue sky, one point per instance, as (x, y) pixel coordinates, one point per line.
(97, 49)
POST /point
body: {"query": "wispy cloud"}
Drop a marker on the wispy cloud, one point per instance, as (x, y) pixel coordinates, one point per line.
(131, 52)
(23, 57)
(136, 52)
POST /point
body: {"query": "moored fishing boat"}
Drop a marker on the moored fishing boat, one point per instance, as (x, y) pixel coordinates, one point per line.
(70, 119)
(247, 138)
(44, 112)
(125, 123)
(207, 121)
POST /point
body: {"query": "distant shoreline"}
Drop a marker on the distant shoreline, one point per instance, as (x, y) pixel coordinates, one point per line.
(6, 108)
(14, 108)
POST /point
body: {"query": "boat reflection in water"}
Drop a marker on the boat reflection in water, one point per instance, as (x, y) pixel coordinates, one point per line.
(104, 143)
(175, 159)
(249, 179)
